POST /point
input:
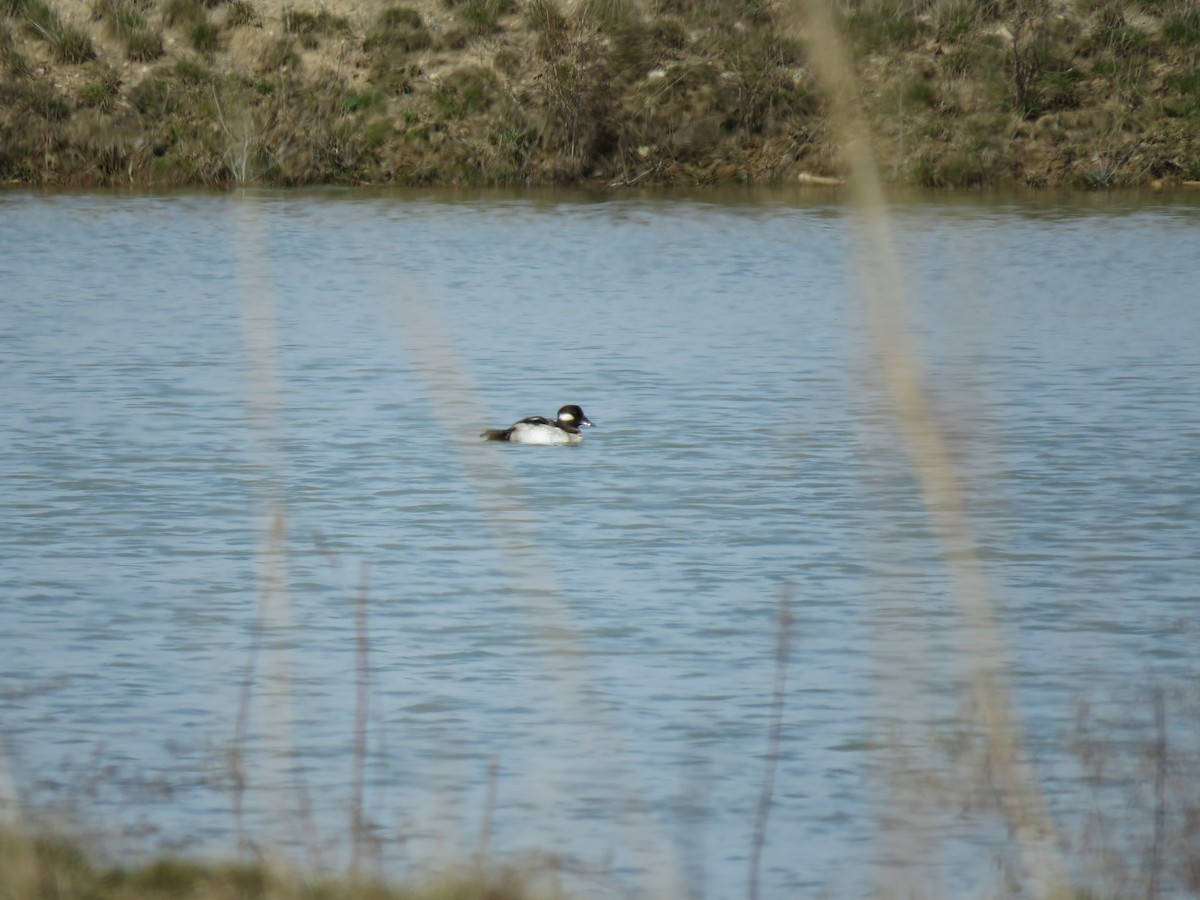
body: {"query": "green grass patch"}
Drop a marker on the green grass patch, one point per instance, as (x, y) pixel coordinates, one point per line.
(182, 12)
(68, 44)
(280, 54)
(483, 15)
(552, 27)
(241, 12)
(957, 171)
(359, 101)
(155, 97)
(631, 53)
(1056, 90)
(959, 61)
(611, 15)
(12, 62)
(509, 61)
(120, 17)
(44, 101)
(399, 29)
(1128, 73)
(1121, 40)
(377, 134)
(467, 90)
(1183, 29)
(1113, 36)
(189, 71)
(40, 18)
(1185, 86)
(924, 172)
(919, 92)
(544, 15)
(775, 101)
(310, 26)
(45, 867)
(724, 13)
(143, 45)
(204, 37)
(668, 34)
(1099, 177)
(71, 45)
(954, 20)
(1186, 83)
(883, 24)
(400, 17)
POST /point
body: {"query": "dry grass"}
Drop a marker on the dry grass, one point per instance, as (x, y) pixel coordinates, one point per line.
(52, 867)
(881, 277)
(694, 91)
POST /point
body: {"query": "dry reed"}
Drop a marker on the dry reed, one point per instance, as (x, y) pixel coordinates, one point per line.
(881, 280)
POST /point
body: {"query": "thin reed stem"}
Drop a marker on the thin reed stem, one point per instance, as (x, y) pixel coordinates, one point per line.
(1160, 794)
(10, 808)
(362, 675)
(237, 753)
(440, 365)
(489, 811)
(774, 738)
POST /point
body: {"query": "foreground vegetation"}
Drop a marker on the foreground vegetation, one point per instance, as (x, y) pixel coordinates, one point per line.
(1138, 835)
(1081, 93)
(45, 867)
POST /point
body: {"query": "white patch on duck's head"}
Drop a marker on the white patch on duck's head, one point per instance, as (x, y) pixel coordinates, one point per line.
(566, 416)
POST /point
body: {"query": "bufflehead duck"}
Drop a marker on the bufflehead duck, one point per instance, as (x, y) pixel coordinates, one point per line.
(540, 430)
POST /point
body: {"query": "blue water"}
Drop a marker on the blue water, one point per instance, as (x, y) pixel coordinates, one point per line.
(588, 635)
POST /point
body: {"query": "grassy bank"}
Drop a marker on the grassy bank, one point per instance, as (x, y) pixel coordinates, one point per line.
(49, 867)
(1081, 93)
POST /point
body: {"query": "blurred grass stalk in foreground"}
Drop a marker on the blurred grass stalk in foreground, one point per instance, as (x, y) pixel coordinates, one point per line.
(424, 340)
(882, 292)
(272, 628)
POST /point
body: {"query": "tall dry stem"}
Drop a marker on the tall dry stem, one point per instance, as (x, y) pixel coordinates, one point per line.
(274, 617)
(433, 355)
(489, 812)
(881, 285)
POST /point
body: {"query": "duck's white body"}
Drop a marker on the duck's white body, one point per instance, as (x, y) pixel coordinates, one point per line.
(540, 430)
(543, 432)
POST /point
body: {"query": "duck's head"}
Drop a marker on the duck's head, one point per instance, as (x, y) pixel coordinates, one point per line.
(572, 416)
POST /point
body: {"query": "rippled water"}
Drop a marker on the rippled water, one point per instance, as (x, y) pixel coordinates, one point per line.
(587, 635)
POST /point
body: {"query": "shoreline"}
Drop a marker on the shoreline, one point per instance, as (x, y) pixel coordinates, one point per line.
(599, 94)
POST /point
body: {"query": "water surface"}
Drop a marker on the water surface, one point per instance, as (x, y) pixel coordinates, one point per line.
(588, 634)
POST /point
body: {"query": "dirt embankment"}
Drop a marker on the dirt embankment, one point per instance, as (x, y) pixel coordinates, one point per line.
(1085, 93)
